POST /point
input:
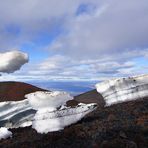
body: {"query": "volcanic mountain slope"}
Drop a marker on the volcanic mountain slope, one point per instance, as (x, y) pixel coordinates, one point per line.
(123, 125)
(15, 91)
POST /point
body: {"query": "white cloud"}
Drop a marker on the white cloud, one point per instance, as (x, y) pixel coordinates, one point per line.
(112, 67)
(61, 67)
(24, 21)
(103, 41)
(54, 62)
(120, 27)
(12, 61)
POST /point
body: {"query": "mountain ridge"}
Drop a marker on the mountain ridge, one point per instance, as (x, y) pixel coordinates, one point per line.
(15, 91)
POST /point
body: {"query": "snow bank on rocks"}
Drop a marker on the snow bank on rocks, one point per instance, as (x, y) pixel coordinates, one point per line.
(14, 114)
(123, 89)
(49, 116)
(45, 111)
(45, 122)
(5, 133)
(45, 99)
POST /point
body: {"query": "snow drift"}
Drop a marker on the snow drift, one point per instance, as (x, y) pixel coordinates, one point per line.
(14, 114)
(123, 89)
(45, 111)
(57, 120)
(46, 99)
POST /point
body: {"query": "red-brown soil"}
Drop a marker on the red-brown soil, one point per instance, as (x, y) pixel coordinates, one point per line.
(15, 91)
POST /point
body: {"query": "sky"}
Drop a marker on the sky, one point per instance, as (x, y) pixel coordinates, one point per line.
(72, 40)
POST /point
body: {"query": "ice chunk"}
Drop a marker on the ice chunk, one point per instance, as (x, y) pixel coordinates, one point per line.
(14, 114)
(5, 133)
(46, 99)
(123, 89)
(45, 111)
(57, 120)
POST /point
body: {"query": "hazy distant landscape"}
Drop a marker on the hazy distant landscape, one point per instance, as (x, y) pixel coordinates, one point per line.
(73, 87)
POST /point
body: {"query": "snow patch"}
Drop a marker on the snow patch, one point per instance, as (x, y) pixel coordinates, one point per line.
(5, 133)
(14, 114)
(45, 111)
(123, 89)
(57, 120)
(49, 100)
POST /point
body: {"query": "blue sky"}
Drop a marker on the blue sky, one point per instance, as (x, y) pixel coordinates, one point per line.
(81, 40)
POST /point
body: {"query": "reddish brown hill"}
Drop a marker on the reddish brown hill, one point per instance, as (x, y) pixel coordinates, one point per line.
(15, 91)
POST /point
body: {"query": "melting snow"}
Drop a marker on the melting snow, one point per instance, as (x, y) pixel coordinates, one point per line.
(41, 110)
(123, 89)
(45, 99)
(5, 133)
(57, 120)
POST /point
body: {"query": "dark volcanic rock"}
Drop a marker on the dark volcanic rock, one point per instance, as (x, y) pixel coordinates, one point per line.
(91, 97)
(124, 125)
(15, 91)
(95, 130)
(72, 103)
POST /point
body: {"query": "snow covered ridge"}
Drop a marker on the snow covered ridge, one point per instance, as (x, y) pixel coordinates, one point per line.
(123, 89)
(45, 111)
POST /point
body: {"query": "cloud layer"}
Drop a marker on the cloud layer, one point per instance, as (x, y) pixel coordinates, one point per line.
(83, 39)
(109, 29)
(12, 61)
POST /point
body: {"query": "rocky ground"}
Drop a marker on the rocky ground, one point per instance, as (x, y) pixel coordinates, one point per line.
(124, 125)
